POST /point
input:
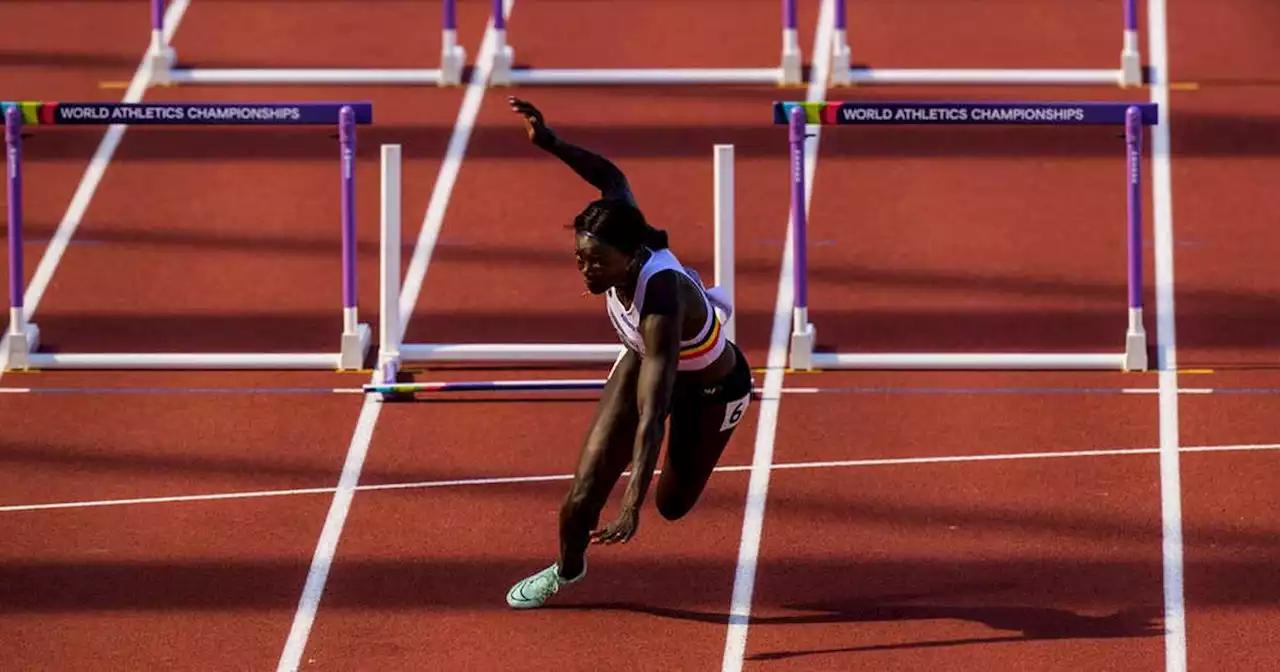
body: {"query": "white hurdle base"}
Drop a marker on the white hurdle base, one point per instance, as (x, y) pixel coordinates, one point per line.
(281, 76)
(20, 346)
(852, 76)
(637, 76)
(843, 73)
(930, 361)
(803, 358)
(453, 59)
(355, 347)
(789, 71)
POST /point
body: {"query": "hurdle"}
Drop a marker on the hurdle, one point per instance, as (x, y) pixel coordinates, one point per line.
(788, 73)
(1133, 116)
(24, 336)
(162, 60)
(393, 352)
(1128, 74)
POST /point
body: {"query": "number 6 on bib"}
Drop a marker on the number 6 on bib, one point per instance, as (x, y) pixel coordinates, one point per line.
(734, 411)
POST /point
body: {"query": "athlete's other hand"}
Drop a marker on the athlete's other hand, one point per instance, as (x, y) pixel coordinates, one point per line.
(534, 124)
(619, 531)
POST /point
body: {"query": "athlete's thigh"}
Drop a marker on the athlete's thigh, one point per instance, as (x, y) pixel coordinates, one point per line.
(701, 426)
(699, 434)
(606, 450)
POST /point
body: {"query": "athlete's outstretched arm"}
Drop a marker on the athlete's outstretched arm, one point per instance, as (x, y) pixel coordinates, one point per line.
(598, 171)
(660, 320)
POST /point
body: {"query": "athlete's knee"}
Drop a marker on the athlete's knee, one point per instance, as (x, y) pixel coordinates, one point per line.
(675, 506)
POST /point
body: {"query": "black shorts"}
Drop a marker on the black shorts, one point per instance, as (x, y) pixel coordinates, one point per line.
(713, 409)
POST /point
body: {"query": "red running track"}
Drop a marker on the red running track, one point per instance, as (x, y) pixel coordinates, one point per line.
(972, 521)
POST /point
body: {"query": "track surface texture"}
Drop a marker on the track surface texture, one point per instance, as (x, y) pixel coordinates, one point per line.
(860, 520)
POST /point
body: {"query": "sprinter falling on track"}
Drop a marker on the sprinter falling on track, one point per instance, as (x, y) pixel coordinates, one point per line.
(676, 364)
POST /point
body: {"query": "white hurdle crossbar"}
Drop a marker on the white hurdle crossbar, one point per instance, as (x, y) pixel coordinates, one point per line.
(1132, 116)
(163, 62)
(393, 352)
(1128, 74)
(789, 72)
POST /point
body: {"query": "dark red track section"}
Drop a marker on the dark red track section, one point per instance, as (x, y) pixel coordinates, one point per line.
(918, 520)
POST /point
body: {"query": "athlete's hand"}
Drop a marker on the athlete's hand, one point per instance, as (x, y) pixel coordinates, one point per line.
(619, 531)
(534, 124)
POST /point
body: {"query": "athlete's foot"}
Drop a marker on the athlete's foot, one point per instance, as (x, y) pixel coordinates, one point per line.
(533, 591)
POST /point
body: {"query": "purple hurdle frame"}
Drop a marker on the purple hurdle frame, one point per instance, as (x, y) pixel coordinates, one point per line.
(13, 188)
(788, 73)
(23, 336)
(1128, 74)
(1133, 116)
(1133, 145)
(799, 221)
(452, 60)
(347, 156)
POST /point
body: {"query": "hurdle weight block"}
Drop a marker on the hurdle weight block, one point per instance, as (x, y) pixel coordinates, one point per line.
(21, 345)
(802, 348)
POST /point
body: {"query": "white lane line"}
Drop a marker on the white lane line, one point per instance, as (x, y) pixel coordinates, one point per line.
(512, 480)
(735, 645)
(1166, 344)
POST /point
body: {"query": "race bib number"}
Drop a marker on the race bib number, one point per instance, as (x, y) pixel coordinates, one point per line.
(734, 411)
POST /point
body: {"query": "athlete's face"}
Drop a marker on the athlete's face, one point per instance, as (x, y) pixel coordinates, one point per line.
(602, 265)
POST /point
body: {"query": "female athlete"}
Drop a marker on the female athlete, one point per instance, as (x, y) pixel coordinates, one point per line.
(676, 363)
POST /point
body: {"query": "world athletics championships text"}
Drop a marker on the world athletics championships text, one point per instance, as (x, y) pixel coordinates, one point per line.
(961, 114)
(105, 113)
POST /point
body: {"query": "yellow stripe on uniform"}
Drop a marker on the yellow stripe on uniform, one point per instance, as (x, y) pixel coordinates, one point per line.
(702, 347)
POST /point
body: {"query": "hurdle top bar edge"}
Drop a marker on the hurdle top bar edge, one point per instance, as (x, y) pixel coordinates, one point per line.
(993, 113)
(201, 114)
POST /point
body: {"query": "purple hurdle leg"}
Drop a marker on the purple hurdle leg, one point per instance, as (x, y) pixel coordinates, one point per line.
(23, 337)
(1130, 59)
(157, 17)
(798, 215)
(347, 145)
(791, 73)
(13, 152)
(1136, 339)
(160, 55)
(802, 335)
(1133, 142)
(499, 15)
(504, 56)
(355, 336)
(841, 60)
(451, 15)
(452, 54)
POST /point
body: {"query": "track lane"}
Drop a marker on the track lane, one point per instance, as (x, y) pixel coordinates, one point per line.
(1030, 565)
(487, 220)
(1224, 152)
(173, 587)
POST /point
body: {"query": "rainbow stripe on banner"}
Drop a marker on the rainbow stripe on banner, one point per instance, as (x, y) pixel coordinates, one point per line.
(207, 114)
(1054, 113)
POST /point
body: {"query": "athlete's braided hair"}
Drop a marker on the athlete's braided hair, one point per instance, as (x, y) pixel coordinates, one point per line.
(619, 224)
